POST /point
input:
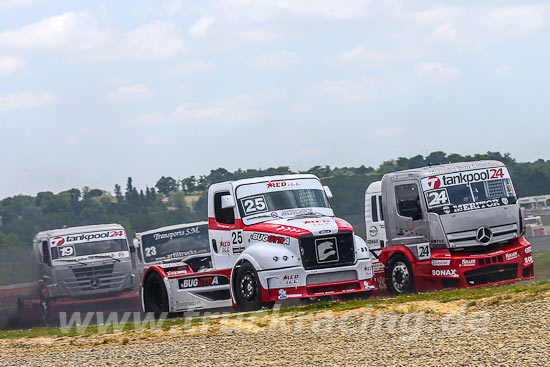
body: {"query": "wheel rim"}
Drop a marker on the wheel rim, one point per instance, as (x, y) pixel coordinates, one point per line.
(248, 286)
(400, 277)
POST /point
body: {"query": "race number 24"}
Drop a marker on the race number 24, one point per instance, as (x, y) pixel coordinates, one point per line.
(423, 250)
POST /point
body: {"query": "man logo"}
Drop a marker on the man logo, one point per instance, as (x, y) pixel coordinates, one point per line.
(434, 183)
(327, 250)
(484, 235)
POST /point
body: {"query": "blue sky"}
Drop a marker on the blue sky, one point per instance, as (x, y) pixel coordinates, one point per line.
(92, 92)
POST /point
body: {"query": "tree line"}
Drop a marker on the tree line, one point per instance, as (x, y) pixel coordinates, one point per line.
(172, 201)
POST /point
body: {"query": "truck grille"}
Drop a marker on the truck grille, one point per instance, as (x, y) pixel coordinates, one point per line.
(328, 251)
(491, 274)
(95, 278)
(468, 238)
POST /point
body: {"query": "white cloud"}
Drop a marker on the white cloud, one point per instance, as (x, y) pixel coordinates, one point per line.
(26, 99)
(9, 65)
(193, 67)
(130, 93)
(274, 60)
(80, 35)
(345, 90)
(436, 70)
(200, 27)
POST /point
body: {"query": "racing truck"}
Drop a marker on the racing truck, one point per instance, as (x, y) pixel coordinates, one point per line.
(269, 239)
(448, 226)
(80, 269)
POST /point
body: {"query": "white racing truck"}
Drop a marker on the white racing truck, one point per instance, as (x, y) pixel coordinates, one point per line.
(80, 269)
(269, 239)
(446, 226)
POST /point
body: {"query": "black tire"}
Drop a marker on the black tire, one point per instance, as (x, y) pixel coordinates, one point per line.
(155, 296)
(248, 291)
(399, 276)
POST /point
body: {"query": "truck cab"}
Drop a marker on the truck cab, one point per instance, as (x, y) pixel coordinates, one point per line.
(83, 269)
(452, 225)
(274, 238)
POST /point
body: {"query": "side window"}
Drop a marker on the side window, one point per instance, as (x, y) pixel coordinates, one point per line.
(381, 208)
(408, 201)
(224, 216)
(374, 208)
(46, 259)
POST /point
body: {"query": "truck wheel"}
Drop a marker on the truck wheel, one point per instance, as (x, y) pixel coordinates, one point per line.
(248, 291)
(155, 296)
(399, 276)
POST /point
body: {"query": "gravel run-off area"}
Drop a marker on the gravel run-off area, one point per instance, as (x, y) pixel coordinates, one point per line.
(488, 332)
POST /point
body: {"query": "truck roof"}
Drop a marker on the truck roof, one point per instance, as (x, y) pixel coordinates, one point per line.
(245, 181)
(80, 229)
(168, 228)
(444, 168)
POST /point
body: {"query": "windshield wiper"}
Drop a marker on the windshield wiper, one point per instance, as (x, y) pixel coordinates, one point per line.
(308, 215)
(76, 261)
(104, 257)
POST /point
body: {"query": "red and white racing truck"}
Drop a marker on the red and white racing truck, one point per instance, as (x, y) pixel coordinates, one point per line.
(80, 269)
(452, 225)
(269, 239)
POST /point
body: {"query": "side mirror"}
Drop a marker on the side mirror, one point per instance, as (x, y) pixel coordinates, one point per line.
(328, 192)
(228, 202)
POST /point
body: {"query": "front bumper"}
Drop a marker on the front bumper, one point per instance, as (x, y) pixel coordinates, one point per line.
(128, 301)
(296, 282)
(445, 270)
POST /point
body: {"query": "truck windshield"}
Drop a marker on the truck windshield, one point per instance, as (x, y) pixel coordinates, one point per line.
(281, 199)
(89, 248)
(471, 190)
(174, 244)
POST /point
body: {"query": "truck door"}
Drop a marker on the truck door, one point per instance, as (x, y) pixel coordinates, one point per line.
(406, 219)
(376, 233)
(226, 237)
(45, 260)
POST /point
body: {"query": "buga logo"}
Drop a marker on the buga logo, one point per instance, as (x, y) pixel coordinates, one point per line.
(434, 183)
(444, 273)
(198, 282)
(57, 241)
(282, 184)
(269, 238)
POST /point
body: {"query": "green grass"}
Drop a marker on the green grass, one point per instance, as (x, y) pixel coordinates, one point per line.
(531, 290)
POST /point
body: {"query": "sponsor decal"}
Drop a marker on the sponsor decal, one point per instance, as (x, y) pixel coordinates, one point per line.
(289, 212)
(87, 237)
(444, 273)
(373, 231)
(527, 250)
(291, 279)
(270, 238)
(491, 203)
(437, 242)
(373, 242)
(446, 210)
(327, 250)
(468, 262)
(225, 246)
(288, 229)
(461, 178)
(317, 222)
(441, 262)
(512, 256)
(238, 250)
(176, 273)
(271, 185)
(282, 294)
(325, 231)
(204, 281)
(176, 234)
(368, 271)
(528, 259)
(378, 267)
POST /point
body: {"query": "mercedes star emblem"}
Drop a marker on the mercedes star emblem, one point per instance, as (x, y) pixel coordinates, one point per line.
(484, 235)
(94, 282)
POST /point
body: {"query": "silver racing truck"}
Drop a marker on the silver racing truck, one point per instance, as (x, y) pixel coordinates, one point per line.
(452, 225)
